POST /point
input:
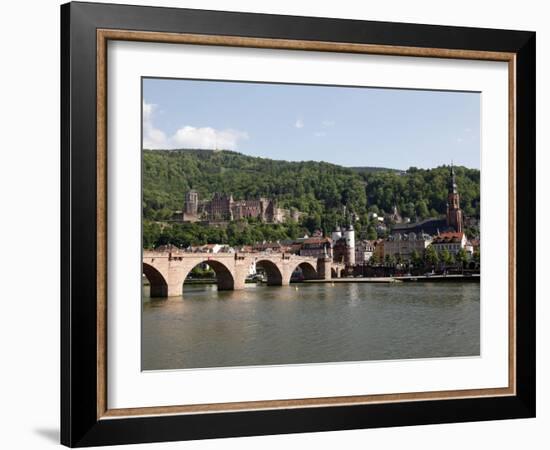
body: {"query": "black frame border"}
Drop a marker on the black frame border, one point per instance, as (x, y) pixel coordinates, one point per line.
(79, 423)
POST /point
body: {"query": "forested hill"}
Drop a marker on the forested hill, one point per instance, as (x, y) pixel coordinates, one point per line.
(368, 169)
(317, 189)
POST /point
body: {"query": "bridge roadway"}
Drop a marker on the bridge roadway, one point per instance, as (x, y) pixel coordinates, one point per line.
(167, 270)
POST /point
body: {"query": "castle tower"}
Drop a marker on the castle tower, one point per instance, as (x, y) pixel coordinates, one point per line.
(454, 213)
(349, 235)
(191, 206)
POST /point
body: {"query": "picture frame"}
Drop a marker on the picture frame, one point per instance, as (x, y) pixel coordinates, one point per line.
(86, 418)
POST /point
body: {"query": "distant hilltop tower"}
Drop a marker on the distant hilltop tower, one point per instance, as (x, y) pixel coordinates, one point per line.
(454, 213)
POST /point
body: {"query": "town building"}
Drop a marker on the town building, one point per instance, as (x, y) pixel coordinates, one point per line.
(317, 247)
(379, 249)
(469, 248)
(403, 245)
(364, 251)
(211, 248)
(268, 247)
(475, 243)
(451, 241)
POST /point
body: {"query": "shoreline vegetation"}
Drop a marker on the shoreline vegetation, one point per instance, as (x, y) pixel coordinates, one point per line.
(320, 191)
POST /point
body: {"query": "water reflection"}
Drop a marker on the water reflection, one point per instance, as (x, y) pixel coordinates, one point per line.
(309, 323)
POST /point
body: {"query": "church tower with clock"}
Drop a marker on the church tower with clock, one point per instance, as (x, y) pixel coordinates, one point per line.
(454, 213)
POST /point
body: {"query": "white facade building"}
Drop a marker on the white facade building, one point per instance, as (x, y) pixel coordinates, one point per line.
(452, 242)
(363, 251)
(405, 244)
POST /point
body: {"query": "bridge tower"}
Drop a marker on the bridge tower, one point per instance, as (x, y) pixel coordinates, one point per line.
(349, 234)
(336, 234)
(324, 266)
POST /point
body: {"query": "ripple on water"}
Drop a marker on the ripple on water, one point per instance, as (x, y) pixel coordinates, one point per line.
(316, 323)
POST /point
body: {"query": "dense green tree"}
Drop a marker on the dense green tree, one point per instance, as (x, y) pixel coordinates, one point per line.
(416, 259)
(371, 233)
(461, 257)
(374, 209)
(374, 260)
(317, 189)
(430, 256)
(447, 257)
(422, 209)
(389, 261)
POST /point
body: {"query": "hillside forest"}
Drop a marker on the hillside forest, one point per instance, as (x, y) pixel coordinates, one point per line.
(319, 190)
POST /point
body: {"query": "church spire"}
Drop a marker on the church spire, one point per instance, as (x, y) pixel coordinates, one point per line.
(454, 213)
(452, 181)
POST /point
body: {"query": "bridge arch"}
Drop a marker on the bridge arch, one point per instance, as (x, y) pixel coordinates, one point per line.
(309, 271)
(157, 281)
(224, 276)
(274, 275)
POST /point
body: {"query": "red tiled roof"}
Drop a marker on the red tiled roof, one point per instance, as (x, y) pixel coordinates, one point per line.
(316, 240)
(449, 236)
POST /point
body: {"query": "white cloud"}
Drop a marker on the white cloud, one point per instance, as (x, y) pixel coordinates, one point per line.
(299, 123)
(207, 137)
(328, 123)
(152, 137)
(187, 136)
(319, 134)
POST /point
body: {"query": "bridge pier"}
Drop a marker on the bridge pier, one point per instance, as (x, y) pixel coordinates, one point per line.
(239, 273)
(173, 290)
(284, 282)
(324, 268)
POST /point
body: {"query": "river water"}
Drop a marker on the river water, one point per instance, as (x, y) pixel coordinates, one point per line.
(310, 323)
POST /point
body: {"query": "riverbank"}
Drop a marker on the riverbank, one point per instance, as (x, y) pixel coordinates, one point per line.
(475, 278)
(403, 279)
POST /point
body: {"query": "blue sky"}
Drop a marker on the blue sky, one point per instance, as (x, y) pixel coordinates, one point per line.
(350, 126)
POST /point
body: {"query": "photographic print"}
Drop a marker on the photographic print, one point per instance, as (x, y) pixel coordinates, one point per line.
(291, 206)
(299, 224)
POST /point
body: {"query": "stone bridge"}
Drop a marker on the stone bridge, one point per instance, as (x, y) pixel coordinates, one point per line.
(167, 270)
